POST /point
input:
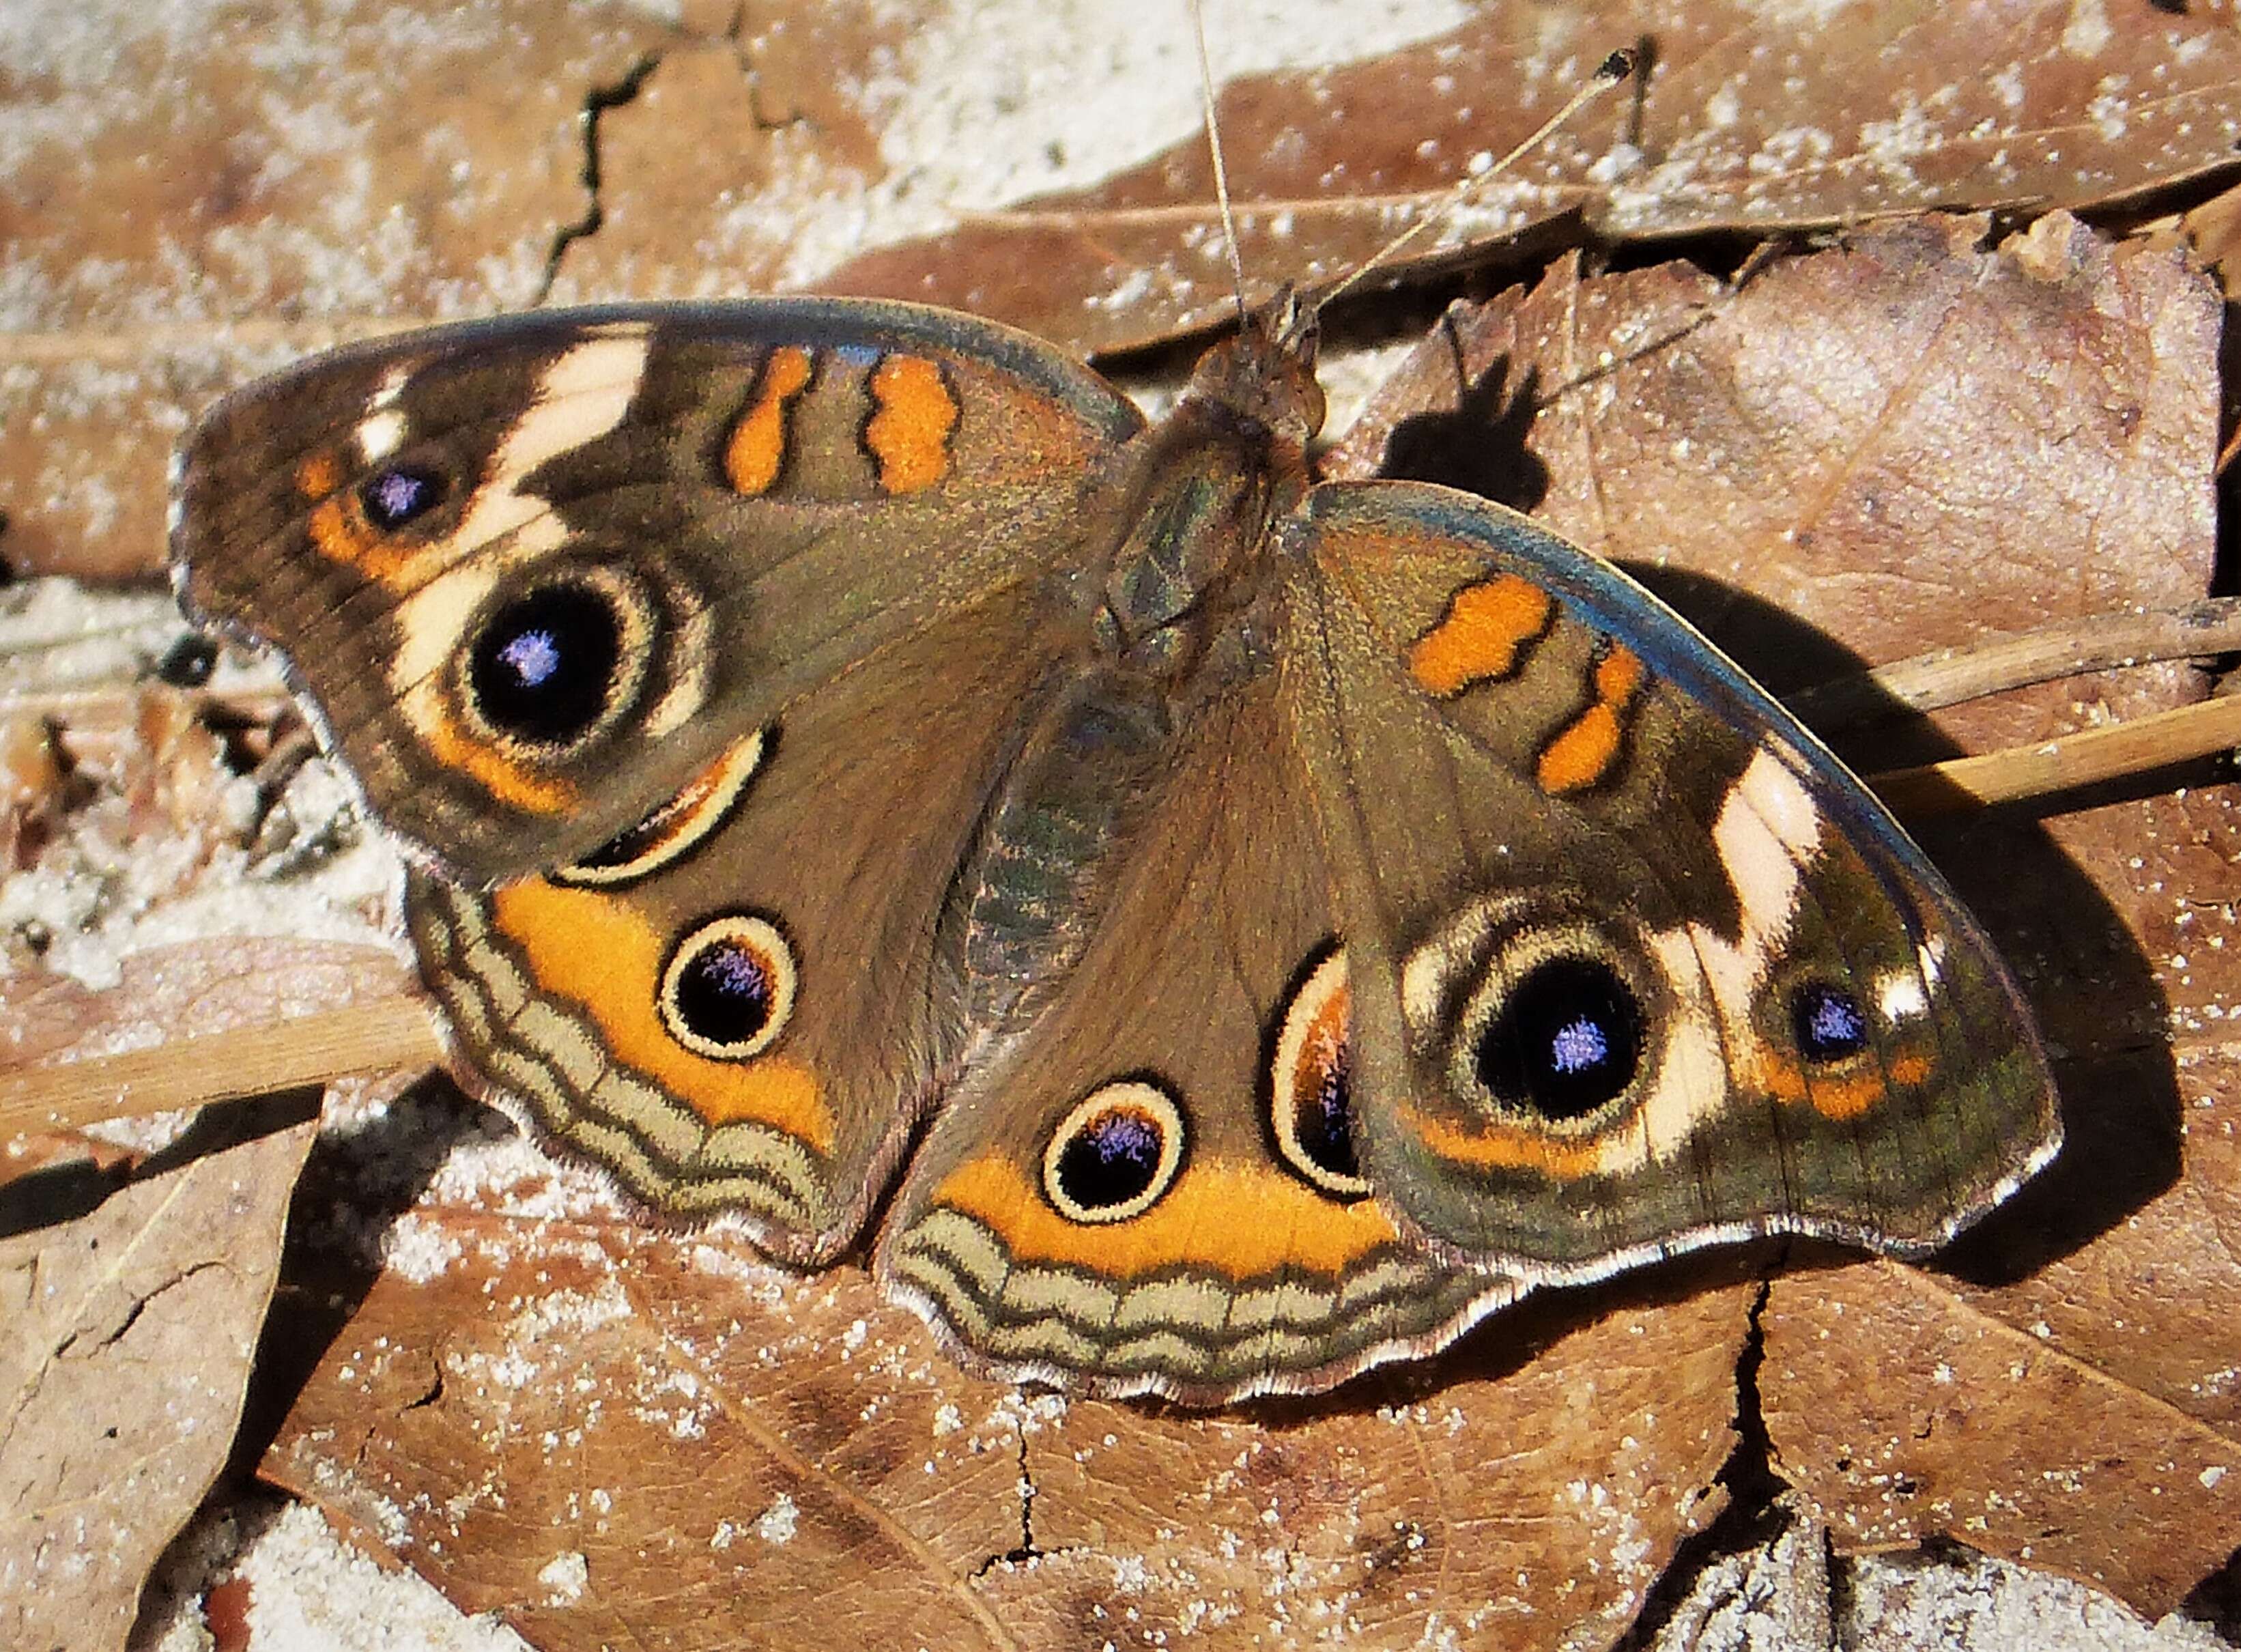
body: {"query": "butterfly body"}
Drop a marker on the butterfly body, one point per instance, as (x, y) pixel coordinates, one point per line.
(1266, 925)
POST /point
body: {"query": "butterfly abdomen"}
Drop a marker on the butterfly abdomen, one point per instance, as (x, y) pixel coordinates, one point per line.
(1029, 895)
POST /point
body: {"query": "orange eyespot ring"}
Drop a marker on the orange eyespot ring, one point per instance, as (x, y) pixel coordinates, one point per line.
(1311, 1082)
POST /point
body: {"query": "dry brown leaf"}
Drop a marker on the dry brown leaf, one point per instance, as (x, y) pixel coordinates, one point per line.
(166, 992)
(176, 188)
(188, 199)
(1747, 118)
(329, 169)
(2071, 1389)
(130, 1335)
(2213, 229)
(135, 1281)
(1902, 443)
(348, 160)
(613, 1436)
(1912, 438)
(161, 995)
(416, 1464)
(31, 781)
(1903, 1408)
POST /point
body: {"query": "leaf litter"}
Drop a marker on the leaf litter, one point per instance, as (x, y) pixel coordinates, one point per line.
(841, 1435)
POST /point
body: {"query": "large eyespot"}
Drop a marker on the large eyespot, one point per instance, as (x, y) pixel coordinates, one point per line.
(1827, 1022)
(1311, 1082)
(729, 988)
(1113, 1155)
(545, 666)
(1547, 1013)
(394, 495)
(674, 829)
(1566, 1039)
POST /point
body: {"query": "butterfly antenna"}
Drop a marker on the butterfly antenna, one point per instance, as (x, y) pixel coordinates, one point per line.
(1213, 149)
(1612, 70)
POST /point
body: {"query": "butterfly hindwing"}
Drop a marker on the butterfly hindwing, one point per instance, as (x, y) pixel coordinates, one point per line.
(1153, 1187)
(1638, 965)
(737, 1008)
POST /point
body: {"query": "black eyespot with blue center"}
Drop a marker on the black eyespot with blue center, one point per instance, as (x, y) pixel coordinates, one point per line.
(1115, 1153)
(728, 988)
(393, 497)
(1324, 1122)
(723, 993)
(1828, 1021)
(1110, 1161)
(544, 667)
(1568, 1040)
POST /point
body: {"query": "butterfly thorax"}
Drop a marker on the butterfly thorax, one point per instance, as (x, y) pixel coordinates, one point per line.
(1202, 489)
(1181, 625)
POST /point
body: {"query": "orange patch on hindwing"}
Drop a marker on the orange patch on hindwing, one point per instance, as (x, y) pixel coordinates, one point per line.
(1482, 635)
(606, 960)
(1584, 750)
(756, 452)
(909, 435)
(1240, 1220)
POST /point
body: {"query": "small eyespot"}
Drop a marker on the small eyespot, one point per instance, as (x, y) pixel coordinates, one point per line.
(1568, 1040)
(393, 497)
(1113, 1155)
(728, 990)
(1829, 1023)
(1311, 1082)
(542, 668)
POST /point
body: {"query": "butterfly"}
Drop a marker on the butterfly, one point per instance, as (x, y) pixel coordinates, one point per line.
(1205, 930)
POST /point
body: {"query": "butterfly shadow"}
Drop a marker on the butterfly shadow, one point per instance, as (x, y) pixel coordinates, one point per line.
(356, 1185)
(60, 1192)
(73, 1188)
(1517, 1338)
(1479, 444)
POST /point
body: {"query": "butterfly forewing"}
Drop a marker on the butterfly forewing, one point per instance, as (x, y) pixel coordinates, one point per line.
(535, 574)
(1638, 965)
(740, 1009)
